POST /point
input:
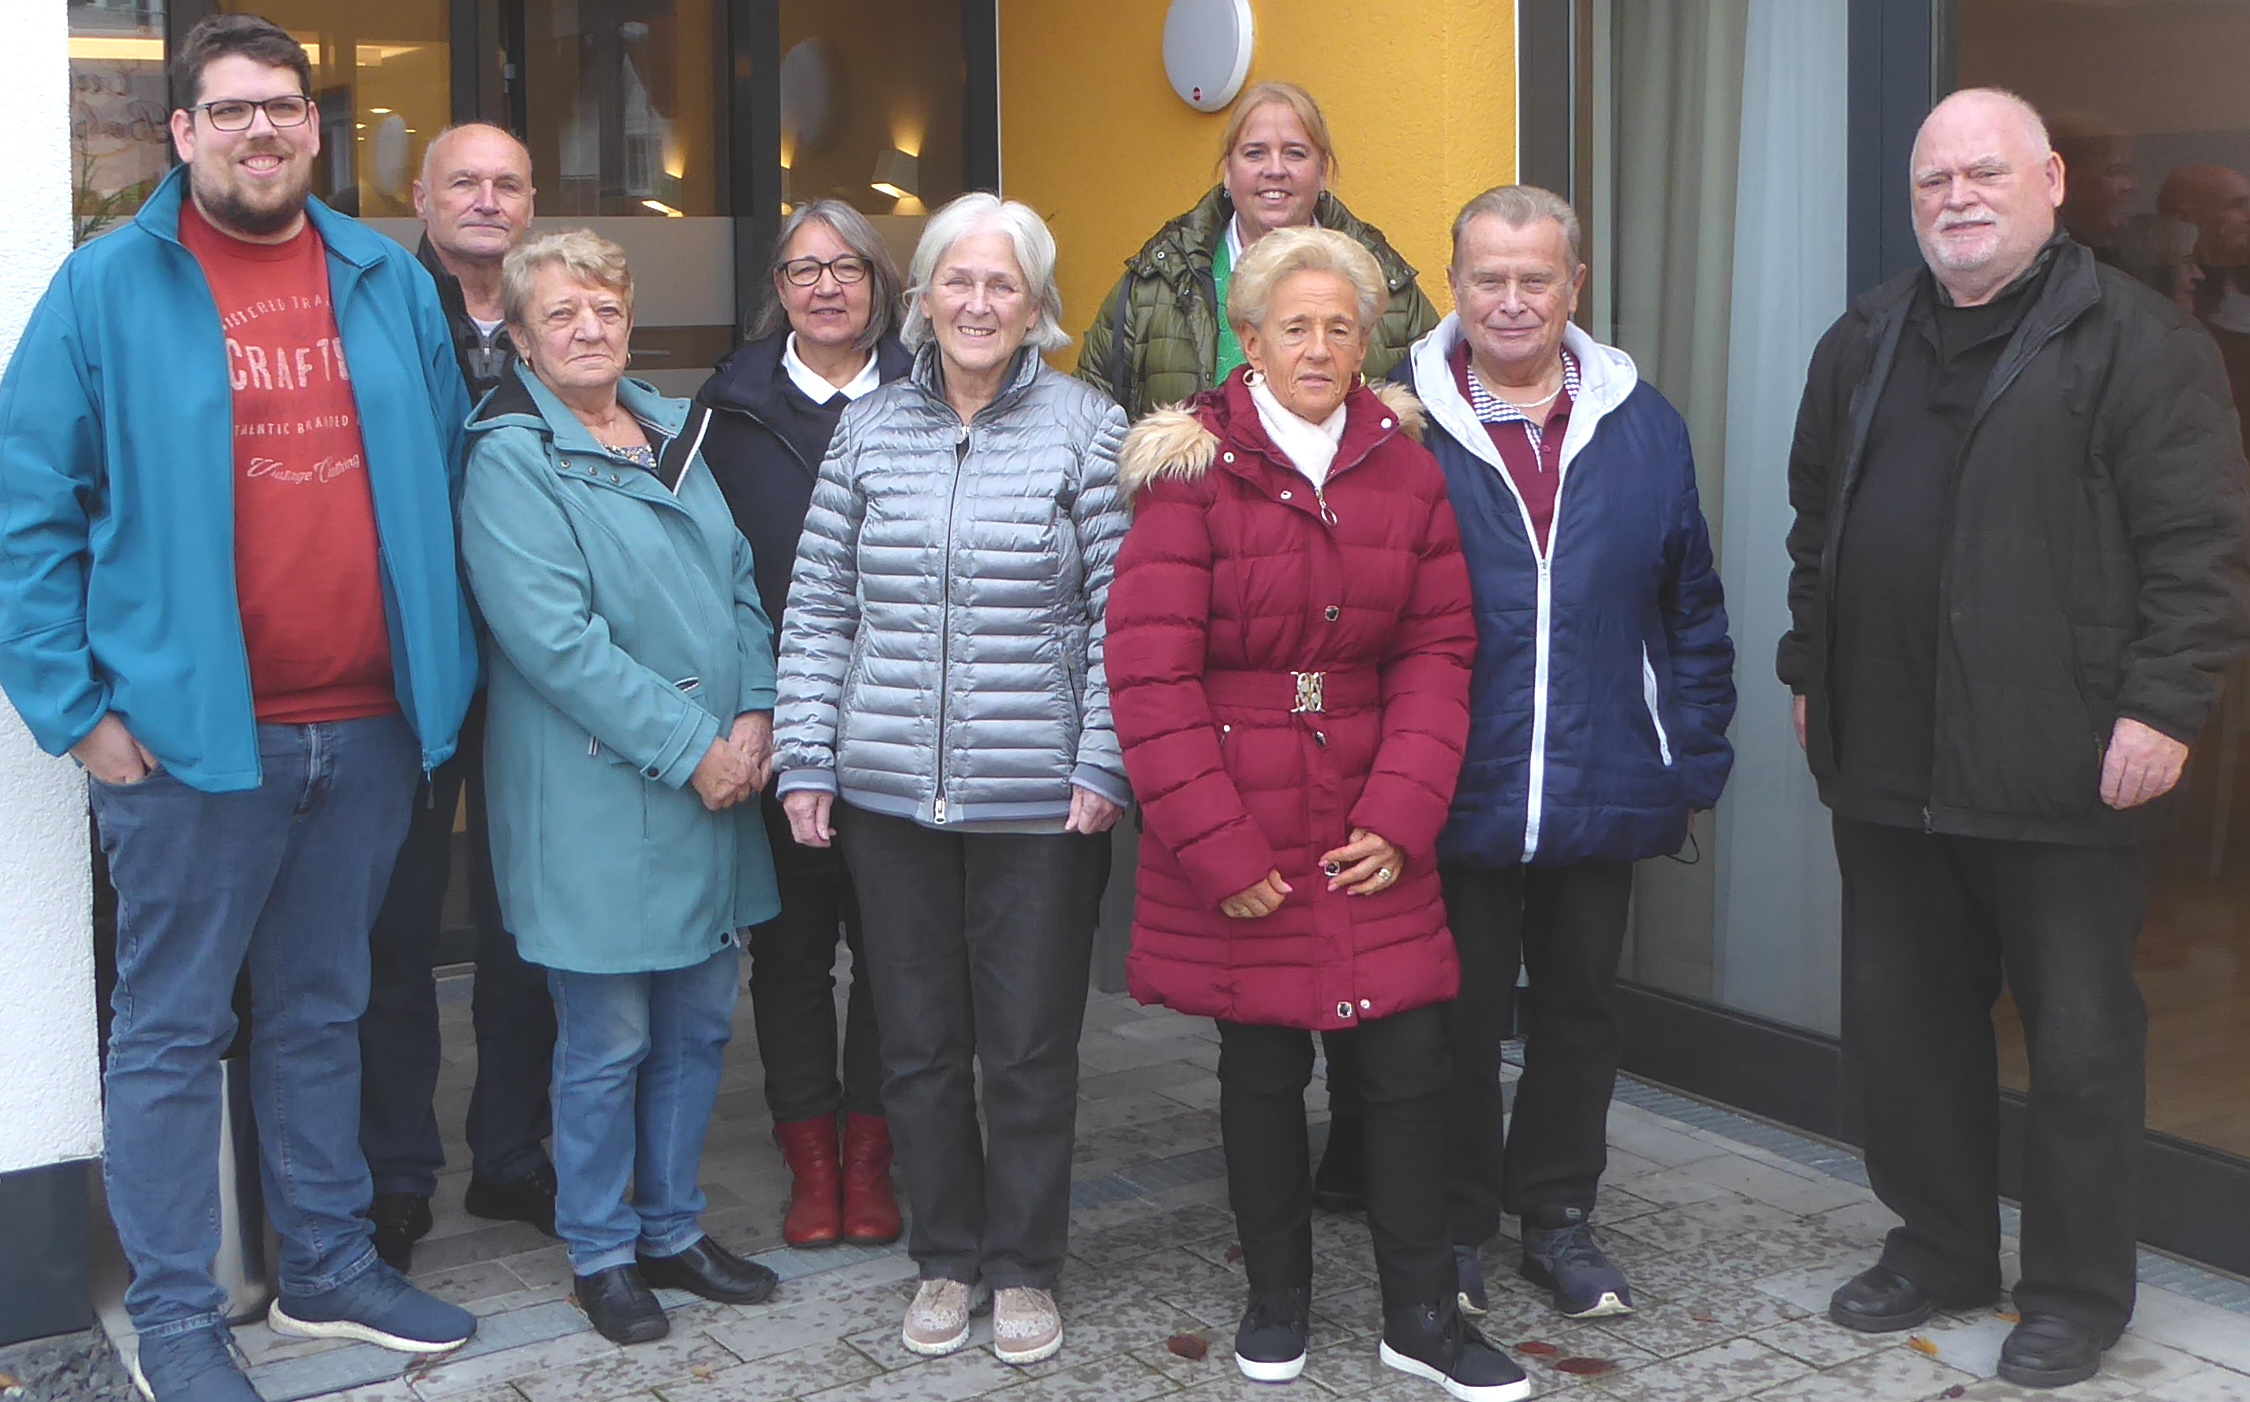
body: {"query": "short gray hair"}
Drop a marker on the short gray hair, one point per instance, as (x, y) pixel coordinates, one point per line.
(585, 256)
(1304, 250)
(1035, 255)
(1517, 206)
(860, 237)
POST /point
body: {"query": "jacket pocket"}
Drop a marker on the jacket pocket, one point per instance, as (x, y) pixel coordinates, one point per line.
(1650, 699)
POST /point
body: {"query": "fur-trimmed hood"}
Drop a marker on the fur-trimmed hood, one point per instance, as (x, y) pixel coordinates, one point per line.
(1180, 440)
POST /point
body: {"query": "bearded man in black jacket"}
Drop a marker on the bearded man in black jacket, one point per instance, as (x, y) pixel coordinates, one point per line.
(2020, 559)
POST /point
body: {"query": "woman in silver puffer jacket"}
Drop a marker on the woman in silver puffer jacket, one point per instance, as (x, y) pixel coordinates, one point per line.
(943, 715)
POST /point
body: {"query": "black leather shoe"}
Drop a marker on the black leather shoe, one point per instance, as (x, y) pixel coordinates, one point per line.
(710, 1270)
(530, 1198)
(1340, 1183)
(1880, 1301)
(400, 1219)
(2047, 1350)
(620, 1306)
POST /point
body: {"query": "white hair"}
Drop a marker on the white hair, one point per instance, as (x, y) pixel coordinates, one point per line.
(1034, 246)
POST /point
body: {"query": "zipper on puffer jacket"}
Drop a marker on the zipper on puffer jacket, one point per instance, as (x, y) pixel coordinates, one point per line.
(1650, 698)
(945, 618)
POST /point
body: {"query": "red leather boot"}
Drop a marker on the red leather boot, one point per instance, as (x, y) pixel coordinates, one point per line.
(870, 1207)
(816, 1202)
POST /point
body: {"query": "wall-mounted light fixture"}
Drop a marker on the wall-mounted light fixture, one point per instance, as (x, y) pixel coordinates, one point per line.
(897, 175)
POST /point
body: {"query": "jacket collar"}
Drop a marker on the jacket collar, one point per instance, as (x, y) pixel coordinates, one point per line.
(1184, 247)
(1606, 378)
(345, 238)
(749, 379)
(927, 378)
(1233, 416)
(522, 402)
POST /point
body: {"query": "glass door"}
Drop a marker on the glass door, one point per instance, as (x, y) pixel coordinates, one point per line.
(2146, 104)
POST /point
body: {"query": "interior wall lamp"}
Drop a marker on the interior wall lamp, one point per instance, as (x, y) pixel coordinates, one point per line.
(897, 175)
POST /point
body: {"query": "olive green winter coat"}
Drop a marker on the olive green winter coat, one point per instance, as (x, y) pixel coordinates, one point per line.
(1156, 339)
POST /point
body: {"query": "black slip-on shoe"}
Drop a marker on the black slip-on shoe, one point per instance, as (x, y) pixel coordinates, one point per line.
(2047, 1350)
(710, 1270)
(620, 1306)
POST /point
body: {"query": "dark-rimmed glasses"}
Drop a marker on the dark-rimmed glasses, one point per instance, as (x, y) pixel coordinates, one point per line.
(804, 272)
(236, 114)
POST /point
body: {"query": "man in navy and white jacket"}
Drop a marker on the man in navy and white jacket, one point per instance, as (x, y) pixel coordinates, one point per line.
(1598, 715)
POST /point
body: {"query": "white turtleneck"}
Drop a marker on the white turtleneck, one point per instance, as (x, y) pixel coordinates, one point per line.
(1310, 447)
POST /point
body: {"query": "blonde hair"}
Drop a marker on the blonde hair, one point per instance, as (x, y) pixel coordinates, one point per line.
(1305, 250)
(585, 255)
(1287, 95)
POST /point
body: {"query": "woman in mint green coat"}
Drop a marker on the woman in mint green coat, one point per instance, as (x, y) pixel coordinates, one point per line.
(630, 730)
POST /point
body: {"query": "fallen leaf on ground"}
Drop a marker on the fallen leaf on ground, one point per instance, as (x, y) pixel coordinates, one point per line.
(2010, 1315)
(702, 1370)
(1703, 1316)
(1234, 1253)
(1955, 1391)
(1537, 1349)
(1187, 1346)
(1922, 1346)
(1585, 1367)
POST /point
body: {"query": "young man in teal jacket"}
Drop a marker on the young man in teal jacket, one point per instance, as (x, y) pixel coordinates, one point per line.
(230, 440)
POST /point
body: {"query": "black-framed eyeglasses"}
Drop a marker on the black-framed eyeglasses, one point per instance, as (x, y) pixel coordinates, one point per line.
(804, 272)
(236, 114)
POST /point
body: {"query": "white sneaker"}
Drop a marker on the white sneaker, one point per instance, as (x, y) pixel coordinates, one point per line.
(937, 1323)
(1026, 1325)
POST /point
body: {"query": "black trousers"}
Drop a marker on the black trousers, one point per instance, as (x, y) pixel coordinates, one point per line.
(1932, 925)
(510, 1008)
(1263, 1072)
(980, 945)
(1566, 925)
(793, 986)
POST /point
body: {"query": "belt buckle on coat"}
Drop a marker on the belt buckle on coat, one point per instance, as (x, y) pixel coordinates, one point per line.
(1311, 692)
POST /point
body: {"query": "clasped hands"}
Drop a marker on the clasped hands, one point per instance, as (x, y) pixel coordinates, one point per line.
(738, 764)
(1360, 867)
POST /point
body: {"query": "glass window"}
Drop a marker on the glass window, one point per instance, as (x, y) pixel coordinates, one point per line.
(119, 142)
(383, 81)
(871, 108)
(2147, 106)
(1715, 207)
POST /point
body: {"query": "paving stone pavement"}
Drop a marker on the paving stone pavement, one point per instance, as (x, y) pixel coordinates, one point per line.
(1733, 1233)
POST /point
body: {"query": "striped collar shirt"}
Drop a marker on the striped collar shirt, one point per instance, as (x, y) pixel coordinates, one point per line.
(1492, 409)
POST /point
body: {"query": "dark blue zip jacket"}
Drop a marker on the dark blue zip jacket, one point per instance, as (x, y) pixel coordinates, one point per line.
(1604, 677)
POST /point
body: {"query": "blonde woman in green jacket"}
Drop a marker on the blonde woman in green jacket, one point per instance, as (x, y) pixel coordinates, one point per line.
(1161, 336)
(629, 731)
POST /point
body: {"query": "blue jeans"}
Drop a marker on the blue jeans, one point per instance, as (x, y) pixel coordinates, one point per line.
(637, 1062)
(286, 878)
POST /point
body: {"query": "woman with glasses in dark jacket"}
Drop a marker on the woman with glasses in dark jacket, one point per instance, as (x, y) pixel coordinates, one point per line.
(826, 336)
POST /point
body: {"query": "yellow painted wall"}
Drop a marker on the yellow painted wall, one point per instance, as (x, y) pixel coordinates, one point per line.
(1423, 112)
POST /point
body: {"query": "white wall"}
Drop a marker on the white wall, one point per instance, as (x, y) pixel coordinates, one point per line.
(50, 1102)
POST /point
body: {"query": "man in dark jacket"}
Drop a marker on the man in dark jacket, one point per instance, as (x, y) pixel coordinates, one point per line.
(1598, 716)
(2019, 567)
(474, 198)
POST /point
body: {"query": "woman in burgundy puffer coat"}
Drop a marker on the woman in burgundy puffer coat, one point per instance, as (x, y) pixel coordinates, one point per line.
(1289, 639)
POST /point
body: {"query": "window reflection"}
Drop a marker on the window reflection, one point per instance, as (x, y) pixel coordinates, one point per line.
(117, 111)
(2146, 105)
(382, 78)
(622, 103)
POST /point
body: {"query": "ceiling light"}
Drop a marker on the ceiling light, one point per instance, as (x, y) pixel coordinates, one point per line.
(662, 208)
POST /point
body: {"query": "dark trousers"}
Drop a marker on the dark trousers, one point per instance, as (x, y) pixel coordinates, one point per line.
(1566, 926)
(980, 945)
(1932, 925)
(1401, 1063)
(510, 1008)
(793, 986)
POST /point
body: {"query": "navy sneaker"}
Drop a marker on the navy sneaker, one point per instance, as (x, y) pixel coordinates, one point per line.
(196, 1366)
(1270, 1345)
(1560, 1254)
(376, 1306)
(1435, 1342)
(1468, 1271)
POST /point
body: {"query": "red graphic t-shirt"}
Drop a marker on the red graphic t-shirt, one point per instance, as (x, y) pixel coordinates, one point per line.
(306, 574)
